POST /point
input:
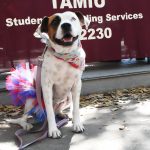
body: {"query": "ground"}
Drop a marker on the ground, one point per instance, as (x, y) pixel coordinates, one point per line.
(117, 120)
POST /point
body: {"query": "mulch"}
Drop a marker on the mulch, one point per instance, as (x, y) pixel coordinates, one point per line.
(98, 100)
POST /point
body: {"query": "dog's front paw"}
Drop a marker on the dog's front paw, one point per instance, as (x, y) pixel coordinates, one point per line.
(22, 122)
(26, 126)
(54, 133)
(78, 128)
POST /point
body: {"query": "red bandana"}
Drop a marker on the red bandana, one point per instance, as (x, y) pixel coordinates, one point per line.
(74, 58)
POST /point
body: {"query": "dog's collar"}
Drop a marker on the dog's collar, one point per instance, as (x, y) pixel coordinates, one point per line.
(74, 58)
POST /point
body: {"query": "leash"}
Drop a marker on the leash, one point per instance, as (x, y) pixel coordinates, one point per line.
(60, 123)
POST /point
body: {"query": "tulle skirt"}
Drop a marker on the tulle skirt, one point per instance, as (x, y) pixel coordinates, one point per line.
(21, 86)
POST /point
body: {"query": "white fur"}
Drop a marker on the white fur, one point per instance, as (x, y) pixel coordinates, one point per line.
(59, 79)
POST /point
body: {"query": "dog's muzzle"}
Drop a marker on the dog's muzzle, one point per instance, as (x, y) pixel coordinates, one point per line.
(68, 38)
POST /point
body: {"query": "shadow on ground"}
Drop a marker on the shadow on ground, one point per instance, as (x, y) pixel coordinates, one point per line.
(126, 128)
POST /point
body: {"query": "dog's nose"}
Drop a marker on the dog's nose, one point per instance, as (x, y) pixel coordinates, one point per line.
(66, 27)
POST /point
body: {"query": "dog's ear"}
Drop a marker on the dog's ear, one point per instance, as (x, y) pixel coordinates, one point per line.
(42, 31)
(83, 19)
(44, 25)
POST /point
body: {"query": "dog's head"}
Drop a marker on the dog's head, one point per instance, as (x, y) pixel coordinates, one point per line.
(63, 29)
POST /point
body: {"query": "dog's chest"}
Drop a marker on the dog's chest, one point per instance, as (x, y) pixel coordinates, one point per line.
(59, 74)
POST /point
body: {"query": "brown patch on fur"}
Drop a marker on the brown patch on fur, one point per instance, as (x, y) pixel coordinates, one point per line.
(76, 76)
(59, 79)
(66, 79)
(58, 66)
(52, 30)
(55, 73)
(49, 83)
(48, 55)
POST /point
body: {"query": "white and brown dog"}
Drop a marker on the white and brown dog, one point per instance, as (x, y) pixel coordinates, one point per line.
(62, 68)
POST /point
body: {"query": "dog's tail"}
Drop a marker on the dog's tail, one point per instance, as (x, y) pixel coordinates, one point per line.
(21, 85)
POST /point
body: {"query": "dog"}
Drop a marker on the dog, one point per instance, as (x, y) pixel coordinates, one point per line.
(62, 68)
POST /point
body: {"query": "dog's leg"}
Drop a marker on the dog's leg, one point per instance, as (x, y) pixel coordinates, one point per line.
(53, 131)
(65, 104)
(23, 120)
(77, 125)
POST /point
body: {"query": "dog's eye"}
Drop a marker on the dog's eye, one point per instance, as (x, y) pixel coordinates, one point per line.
(56, 21)
(73, 19)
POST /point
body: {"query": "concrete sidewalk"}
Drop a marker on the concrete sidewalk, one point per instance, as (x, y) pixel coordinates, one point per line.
(127, 128)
